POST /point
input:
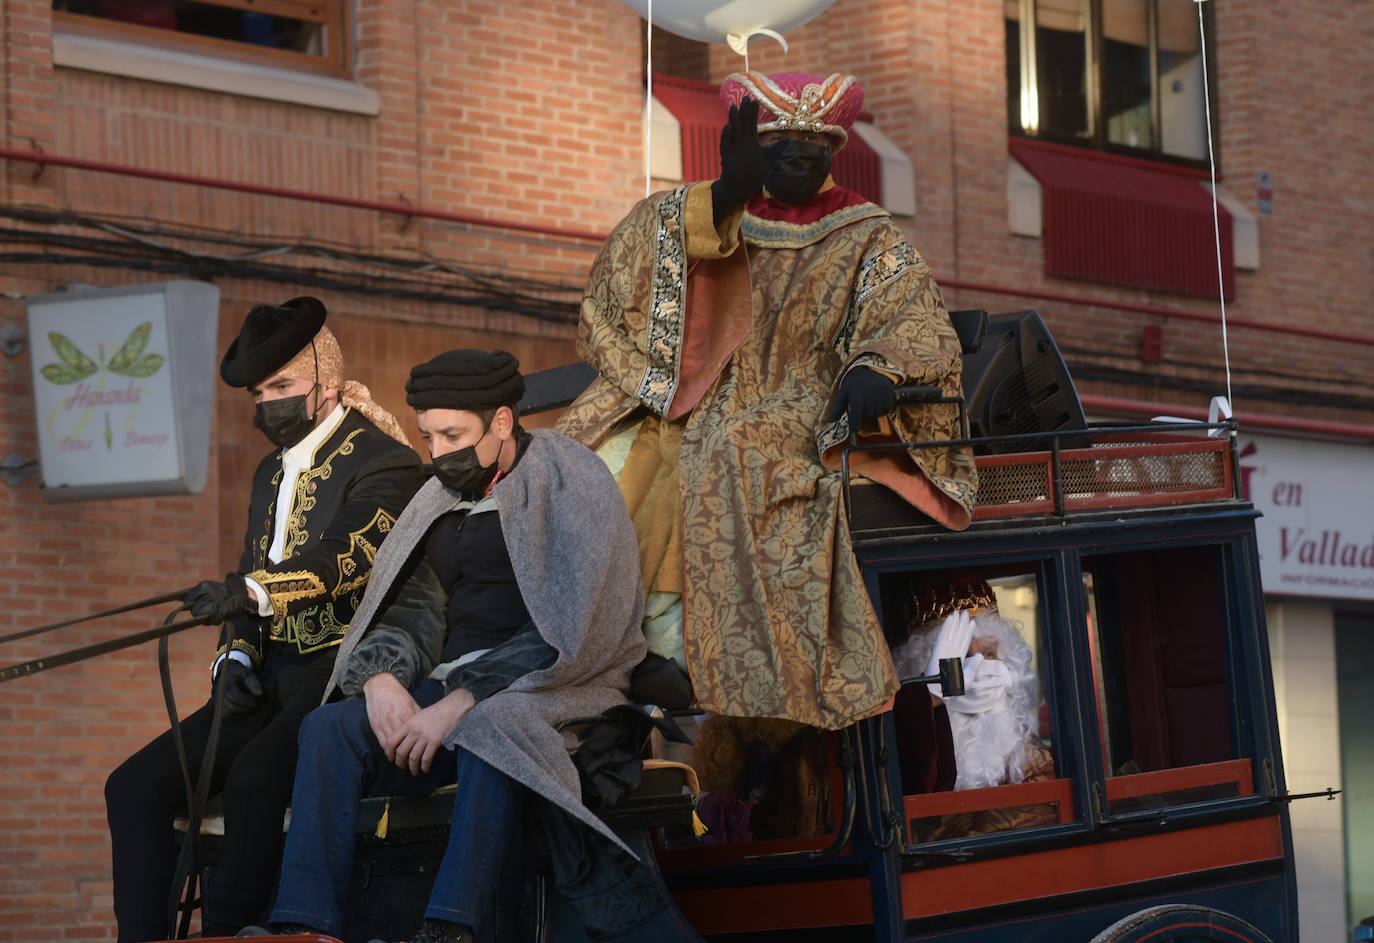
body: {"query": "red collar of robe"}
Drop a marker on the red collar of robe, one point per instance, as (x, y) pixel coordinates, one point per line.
(817, 208)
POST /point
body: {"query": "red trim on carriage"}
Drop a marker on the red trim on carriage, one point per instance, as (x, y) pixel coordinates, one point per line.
(931, 892)
(933, 804)
(1150, 470)
(1160, 782)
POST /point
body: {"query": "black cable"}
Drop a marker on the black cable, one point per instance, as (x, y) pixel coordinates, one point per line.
(489, 291)
(555, 313)
(1271, 394)
(1339, 378)
(495, 280)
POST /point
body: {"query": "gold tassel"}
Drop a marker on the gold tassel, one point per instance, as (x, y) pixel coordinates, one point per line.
(698, 826)
(383, 821)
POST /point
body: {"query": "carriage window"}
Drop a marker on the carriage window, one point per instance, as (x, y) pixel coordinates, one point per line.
(1160, 665)
(985, 761)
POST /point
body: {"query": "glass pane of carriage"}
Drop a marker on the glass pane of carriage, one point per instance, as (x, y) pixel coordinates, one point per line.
(986, 761)
(1160, 661)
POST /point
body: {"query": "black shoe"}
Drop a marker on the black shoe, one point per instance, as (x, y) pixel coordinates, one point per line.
(439, 931)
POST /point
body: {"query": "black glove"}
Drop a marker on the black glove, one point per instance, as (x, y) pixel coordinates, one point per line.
(242, 689)
(864, 394)
(743, 161)
(222, 601)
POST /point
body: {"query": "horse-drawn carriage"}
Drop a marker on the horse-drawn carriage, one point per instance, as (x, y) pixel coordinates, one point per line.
(1127, 557)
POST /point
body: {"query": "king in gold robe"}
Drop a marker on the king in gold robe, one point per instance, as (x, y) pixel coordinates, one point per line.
(727, 344)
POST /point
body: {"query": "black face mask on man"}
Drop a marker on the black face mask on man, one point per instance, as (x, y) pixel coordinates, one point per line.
(462, 471)
(285, 421)
(799, 171)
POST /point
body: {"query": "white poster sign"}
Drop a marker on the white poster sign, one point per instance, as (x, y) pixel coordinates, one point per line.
(121, 383)
(1316, 537)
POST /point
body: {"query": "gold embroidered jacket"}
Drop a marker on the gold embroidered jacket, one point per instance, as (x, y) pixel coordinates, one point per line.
(343, 506)
(741, 339)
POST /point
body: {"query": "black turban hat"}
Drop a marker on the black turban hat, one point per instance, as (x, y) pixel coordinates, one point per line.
(271, 335)
(473, 380)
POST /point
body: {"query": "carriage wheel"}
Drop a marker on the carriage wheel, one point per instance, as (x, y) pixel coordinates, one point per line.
(1181, 923)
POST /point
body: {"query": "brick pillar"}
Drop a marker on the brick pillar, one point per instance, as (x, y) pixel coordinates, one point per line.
(26, 93)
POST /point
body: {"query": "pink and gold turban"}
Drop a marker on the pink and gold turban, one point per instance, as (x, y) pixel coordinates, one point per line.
(797, 101)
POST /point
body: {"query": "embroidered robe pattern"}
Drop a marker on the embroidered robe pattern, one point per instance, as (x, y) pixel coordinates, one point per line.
(777, 621)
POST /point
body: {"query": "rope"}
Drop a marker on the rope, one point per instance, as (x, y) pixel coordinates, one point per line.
(174, 596)
(1216, 222)
(648, 95)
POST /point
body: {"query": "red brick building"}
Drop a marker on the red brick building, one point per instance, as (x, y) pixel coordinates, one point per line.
(439, 174)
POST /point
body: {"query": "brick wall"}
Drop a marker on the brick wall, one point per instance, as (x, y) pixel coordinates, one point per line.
(529, 113)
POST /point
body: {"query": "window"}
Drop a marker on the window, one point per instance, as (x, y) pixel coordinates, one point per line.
(290, 33)
(985, 762)
(1161, 673)
(1112, 74)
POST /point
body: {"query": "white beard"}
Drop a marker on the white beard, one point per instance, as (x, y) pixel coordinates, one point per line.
(989, 748)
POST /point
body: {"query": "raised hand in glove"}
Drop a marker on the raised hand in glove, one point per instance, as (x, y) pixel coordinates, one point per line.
(864, 394)
(743, 161)
(242, 689)
(221, 600)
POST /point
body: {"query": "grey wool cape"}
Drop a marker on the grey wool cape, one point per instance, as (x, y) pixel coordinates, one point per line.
(576, 561)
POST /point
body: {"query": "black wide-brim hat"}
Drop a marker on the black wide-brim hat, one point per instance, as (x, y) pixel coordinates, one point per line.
(271, 335)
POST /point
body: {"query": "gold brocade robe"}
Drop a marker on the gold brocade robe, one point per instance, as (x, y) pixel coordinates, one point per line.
(742, 336)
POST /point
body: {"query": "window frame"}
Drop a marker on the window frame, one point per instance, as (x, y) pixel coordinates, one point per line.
(1059, 687)
(335, 16)
(1243, 658)
(1094, 57)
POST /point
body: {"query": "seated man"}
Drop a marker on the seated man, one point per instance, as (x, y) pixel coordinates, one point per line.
(338, 474)
(743, 327)
(995, 723)
(487, 623)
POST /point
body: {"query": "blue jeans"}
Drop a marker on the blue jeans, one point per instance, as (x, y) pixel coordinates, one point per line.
(340, 762)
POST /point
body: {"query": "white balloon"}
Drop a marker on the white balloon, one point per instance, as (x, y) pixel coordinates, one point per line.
(713, 21)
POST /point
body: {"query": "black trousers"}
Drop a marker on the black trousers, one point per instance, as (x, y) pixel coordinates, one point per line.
(254, 770)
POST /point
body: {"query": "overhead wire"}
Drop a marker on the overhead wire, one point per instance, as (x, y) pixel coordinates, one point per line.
(163, 248)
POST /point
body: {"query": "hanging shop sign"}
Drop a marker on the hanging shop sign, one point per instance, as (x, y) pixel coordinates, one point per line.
(123, 383)
(1316, 537)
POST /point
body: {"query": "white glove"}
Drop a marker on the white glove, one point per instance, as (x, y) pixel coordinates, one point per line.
(985, 680)
(952, 641)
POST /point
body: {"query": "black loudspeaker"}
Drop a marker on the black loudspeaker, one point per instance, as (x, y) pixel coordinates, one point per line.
(1017, 382)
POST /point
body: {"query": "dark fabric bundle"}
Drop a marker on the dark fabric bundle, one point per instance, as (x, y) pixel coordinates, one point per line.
(270, 337)
(467, 379)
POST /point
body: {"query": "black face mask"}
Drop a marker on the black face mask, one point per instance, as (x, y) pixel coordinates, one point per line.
(799, 171)
(463, 472)
(284, 421)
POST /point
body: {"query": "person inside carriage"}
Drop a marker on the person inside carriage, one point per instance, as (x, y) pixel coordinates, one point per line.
(988, 736)
(487, 625)
(743, 328)
(340, 472)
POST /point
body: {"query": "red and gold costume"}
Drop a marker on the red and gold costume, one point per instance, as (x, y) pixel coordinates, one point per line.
(729, 343)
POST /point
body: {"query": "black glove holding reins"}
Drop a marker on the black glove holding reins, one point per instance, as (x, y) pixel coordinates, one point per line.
(864, 394)
(221, 600)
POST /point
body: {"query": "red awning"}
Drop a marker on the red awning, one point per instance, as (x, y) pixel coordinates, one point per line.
(1119, 221)
(696, 106)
